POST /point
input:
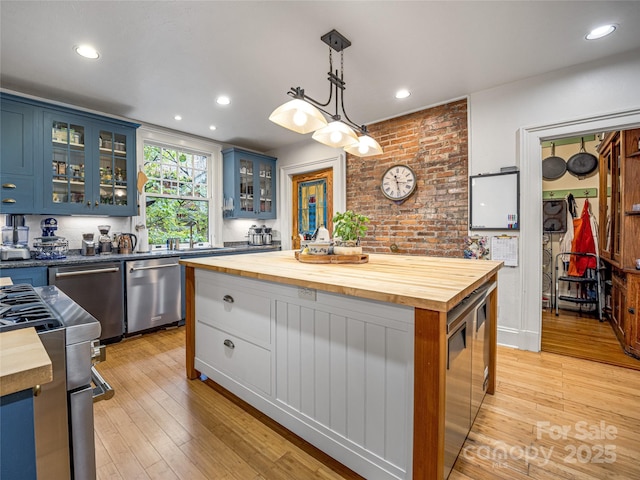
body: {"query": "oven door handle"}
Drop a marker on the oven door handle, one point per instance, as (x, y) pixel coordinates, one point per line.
(87, 272)
(102, 390)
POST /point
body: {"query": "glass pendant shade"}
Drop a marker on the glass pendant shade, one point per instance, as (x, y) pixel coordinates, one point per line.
(336, 134)
(365, 147)
(299, 116)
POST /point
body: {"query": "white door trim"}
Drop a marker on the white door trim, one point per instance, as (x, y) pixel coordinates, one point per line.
(530, 155)
(339, 166)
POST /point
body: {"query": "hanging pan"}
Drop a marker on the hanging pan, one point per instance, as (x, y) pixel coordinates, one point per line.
(553, 167)
(582, 164)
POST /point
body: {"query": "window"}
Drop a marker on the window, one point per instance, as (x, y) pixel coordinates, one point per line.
(177, 194)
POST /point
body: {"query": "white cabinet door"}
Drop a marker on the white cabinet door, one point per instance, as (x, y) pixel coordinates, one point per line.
(350, 372)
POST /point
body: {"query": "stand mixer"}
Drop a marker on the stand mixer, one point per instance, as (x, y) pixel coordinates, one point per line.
(104, 241)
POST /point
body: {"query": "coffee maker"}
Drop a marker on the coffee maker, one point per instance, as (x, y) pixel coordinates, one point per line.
(88, 245)
(104, 241)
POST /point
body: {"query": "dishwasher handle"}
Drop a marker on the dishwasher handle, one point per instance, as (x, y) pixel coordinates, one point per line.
(153, 267)
(87, 272)
(102, 390)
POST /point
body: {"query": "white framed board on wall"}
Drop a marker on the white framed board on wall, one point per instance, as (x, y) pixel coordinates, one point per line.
(494, 201)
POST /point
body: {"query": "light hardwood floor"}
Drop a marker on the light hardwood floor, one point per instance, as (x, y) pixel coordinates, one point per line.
(583, 337)
(160, 425)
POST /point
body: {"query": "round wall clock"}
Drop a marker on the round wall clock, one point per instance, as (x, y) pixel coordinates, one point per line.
(398, 182)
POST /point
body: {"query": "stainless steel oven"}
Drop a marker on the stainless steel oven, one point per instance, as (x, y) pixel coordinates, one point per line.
(63, 408)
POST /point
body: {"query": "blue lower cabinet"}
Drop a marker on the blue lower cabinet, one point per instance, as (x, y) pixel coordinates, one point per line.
(36, 276)
(17, 442)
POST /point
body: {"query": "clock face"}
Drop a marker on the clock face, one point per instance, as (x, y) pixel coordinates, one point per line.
(398, 182)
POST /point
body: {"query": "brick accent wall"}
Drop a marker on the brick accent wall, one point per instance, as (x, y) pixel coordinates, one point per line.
(434, 219)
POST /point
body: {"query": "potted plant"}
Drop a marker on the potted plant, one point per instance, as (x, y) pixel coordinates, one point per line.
(348, 227)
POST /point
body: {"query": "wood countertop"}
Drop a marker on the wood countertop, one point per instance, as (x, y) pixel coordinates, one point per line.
(433, 283)
(24, 362)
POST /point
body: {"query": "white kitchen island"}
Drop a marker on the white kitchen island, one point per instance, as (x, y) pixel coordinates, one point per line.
(350, 357)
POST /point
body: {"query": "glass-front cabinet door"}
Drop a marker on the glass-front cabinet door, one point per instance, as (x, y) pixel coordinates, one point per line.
(90, 164)
(114, 183)
(65, 146)
(249, 184)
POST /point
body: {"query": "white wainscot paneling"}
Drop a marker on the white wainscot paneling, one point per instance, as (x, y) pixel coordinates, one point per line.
(350, 373)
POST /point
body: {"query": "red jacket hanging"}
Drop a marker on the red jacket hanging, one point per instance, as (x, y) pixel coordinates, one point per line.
(583, 243)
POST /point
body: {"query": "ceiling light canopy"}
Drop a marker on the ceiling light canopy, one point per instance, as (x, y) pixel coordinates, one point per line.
(86, 51)
(303, 114)
(601, 31)
(223, 100)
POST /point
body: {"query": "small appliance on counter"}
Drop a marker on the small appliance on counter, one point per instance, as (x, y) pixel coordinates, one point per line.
(15, 239)
(88, 245)
(255, 235)
(127, 242)
(104, 241)
(267, 237)
(49, 246)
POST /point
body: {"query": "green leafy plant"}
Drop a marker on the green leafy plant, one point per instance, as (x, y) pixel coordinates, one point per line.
(348, 227)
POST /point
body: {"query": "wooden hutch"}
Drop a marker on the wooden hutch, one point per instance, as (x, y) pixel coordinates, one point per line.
(620, 233)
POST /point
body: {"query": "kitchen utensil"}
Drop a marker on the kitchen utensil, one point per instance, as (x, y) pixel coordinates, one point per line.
(582, 164)
(142, 179)
(267, 237)
(553, 167)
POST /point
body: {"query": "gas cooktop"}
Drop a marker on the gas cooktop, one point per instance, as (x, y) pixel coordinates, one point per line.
(21, 307)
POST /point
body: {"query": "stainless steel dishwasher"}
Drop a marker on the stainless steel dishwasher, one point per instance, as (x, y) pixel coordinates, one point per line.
(153, 293)
(98, 288)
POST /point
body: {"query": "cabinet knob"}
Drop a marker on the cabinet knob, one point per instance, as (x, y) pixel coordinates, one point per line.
(89, 203)
(229, 343)
(228, 298)
(631, 310)
(9, 185)
(96, 203)
(9, 200)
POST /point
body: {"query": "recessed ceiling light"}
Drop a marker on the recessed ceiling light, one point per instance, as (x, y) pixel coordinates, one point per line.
(404, 93)
(86, 51)
(212, 127)
(601, 31)
(222, 100)
(178, 117)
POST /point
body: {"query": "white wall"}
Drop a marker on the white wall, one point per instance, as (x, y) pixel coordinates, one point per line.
(503, 125)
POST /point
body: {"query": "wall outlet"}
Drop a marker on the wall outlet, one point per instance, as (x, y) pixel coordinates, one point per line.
(307, 294)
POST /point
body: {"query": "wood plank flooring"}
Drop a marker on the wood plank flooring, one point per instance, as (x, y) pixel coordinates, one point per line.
(583, 337)
(159, 425)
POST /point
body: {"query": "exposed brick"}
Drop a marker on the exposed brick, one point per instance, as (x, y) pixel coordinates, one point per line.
(434, 220)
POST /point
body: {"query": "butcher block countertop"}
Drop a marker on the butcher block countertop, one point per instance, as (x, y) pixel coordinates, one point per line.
(433, 283)
(24, 362)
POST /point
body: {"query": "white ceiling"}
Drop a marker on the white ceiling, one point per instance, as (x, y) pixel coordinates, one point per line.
(159, 59)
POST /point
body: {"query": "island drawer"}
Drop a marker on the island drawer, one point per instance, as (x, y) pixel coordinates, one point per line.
(244, 313)
(241, 360)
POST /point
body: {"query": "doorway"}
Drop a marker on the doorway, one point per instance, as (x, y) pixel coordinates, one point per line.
(312, 203)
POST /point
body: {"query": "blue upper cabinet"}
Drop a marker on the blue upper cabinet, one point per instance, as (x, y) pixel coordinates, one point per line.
(91, 166)
(249, 184)
(21, 182)
(82, 163)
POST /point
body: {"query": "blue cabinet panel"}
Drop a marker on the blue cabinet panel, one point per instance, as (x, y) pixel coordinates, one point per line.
(17, 442)
(249, 184)
(36, 276)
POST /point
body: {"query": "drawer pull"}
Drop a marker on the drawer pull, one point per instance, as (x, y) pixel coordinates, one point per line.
(9, 200)
(229, 343)
(228, 298)
(9, 185)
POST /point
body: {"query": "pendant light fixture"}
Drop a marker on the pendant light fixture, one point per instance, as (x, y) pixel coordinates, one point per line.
(303, 114)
